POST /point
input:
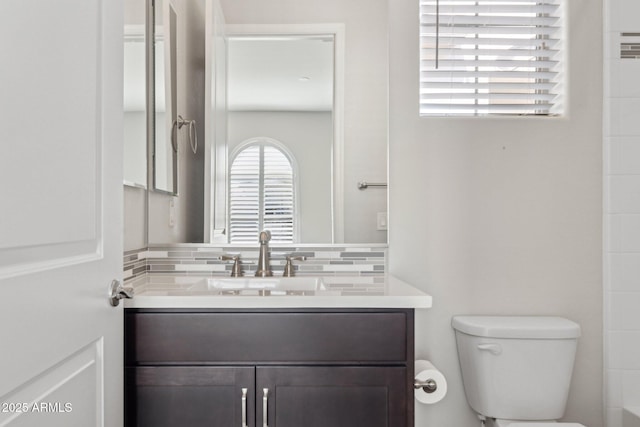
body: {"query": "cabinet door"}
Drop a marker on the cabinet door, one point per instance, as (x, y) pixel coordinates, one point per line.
(189, 396)
(332, 396)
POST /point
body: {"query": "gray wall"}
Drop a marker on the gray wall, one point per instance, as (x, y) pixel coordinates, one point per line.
(500, 215)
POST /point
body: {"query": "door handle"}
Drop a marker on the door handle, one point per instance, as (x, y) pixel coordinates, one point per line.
(244, 407)
(118, 292)
(265, 404)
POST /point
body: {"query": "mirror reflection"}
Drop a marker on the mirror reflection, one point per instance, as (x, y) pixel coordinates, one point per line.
(135, 112)
(280, 137)
(274, 157)
(165, 153)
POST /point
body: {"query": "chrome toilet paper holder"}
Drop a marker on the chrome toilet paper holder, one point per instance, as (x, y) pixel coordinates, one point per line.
(429, 386)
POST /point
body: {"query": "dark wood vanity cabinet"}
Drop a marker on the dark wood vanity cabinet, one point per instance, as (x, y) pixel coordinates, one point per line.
(172, 396)
(312, 368)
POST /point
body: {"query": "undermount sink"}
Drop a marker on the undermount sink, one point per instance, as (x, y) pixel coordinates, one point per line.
(259, 286)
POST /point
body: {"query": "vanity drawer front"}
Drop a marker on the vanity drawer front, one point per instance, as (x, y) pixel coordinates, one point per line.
(332, 337)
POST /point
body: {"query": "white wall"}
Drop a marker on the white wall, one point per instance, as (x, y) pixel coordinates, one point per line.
(622, 212)
(500, 215)
(366, 75)
(308, 136)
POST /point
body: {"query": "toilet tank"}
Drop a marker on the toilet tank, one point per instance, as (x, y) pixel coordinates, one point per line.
(516, 367)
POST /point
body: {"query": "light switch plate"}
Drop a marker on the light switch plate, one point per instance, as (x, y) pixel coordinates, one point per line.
(382, 221)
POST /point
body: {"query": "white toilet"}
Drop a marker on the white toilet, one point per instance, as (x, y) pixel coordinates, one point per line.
(517, 370)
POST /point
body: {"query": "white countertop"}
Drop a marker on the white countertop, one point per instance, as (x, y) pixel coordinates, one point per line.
(155, 291)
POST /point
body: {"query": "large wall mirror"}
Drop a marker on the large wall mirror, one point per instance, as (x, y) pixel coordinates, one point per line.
(295, 117)
(284, 93)
(310, 83)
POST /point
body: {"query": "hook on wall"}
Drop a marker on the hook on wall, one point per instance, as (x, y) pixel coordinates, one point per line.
(193, 133)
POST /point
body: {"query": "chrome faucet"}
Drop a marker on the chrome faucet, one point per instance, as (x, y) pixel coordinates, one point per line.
(264, 269)
(236, 270)
(289, 270)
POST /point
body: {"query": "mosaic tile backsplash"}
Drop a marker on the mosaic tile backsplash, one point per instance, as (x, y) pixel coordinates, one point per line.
(201, 260)
(630, 46)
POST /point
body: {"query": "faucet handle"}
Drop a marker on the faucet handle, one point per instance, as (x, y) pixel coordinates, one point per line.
(264, 236)
(236, 270)
(289, 271)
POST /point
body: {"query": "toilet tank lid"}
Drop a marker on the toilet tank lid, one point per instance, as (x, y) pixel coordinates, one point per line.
(532, 327)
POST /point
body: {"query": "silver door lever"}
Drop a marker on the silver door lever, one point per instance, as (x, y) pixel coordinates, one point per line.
(118, 292)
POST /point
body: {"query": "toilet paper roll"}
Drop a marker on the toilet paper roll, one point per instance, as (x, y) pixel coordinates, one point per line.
(424, 371)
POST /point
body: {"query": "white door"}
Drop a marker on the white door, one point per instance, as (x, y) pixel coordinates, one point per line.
(60, 212)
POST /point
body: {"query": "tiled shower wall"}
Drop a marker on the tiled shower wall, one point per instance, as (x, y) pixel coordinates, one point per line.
(622, 208)
(203, 260)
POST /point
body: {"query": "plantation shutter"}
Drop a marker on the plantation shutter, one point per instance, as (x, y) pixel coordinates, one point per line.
(491, 57)
(244, 196)
(278, 195)
(261, 195)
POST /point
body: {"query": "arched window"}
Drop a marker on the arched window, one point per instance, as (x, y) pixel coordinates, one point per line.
(262, 192)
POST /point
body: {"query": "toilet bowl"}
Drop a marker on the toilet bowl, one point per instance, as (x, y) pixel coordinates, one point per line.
(516, 370)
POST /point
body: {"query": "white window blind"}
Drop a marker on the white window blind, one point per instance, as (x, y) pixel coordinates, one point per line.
(491, 57)
(261, 195)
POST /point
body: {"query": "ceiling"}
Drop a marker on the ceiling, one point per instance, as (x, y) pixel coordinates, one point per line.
(265, 73)
(277, 73)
